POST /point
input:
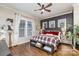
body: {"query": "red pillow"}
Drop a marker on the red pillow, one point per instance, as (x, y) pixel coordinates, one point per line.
(53, 33)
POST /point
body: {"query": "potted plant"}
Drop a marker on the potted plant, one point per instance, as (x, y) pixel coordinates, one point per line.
(77, 35)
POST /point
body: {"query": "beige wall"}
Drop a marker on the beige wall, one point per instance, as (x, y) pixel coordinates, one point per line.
(37, 26)
(76, 14)
(76, 17)
(6, 12)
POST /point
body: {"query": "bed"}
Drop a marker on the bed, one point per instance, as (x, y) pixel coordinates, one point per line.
(48, 38)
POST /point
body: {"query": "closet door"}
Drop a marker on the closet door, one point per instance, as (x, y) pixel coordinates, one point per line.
(23, 30)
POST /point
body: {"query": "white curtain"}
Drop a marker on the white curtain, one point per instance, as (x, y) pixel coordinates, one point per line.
(16, 27)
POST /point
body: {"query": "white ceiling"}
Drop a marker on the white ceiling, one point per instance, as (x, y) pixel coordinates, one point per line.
(56, 8)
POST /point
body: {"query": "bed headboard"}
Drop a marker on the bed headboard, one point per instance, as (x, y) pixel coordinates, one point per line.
(53, 32)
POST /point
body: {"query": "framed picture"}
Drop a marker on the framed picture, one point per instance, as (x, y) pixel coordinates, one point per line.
(44, 25)
(62, 23)
(51, 24)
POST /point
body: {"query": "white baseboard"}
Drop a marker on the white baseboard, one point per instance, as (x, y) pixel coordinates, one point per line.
(21, 43)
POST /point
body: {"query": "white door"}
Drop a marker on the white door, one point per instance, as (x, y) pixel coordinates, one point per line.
(23, 30)
(20, 30)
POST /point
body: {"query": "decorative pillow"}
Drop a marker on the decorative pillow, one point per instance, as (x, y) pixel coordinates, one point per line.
(49, 34)
(53, 33)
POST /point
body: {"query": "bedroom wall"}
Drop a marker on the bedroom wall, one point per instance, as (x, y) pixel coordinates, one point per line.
(76, 14)
(6, 12)
(37, 26)
(76, 18)
(69, 20)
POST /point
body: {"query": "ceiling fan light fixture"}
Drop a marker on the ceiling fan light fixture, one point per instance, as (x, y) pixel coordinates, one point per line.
(42, 10)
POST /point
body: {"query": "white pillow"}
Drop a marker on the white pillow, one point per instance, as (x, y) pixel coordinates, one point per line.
(49, 34)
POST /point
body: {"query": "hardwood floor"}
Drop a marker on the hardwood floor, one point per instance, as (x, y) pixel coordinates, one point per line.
(27, 50)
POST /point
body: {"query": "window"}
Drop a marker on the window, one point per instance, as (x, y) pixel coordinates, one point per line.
(29, 28)
(25, 28)
(22, 28)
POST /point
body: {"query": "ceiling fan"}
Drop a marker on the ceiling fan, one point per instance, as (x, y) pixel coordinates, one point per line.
(43, 7)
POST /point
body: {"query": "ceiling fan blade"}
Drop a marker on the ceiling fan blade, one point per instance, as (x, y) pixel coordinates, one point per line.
(42, 6)
(47, 10)
(50, 4)
(37, 9)
(42, 12)
(39, 4)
